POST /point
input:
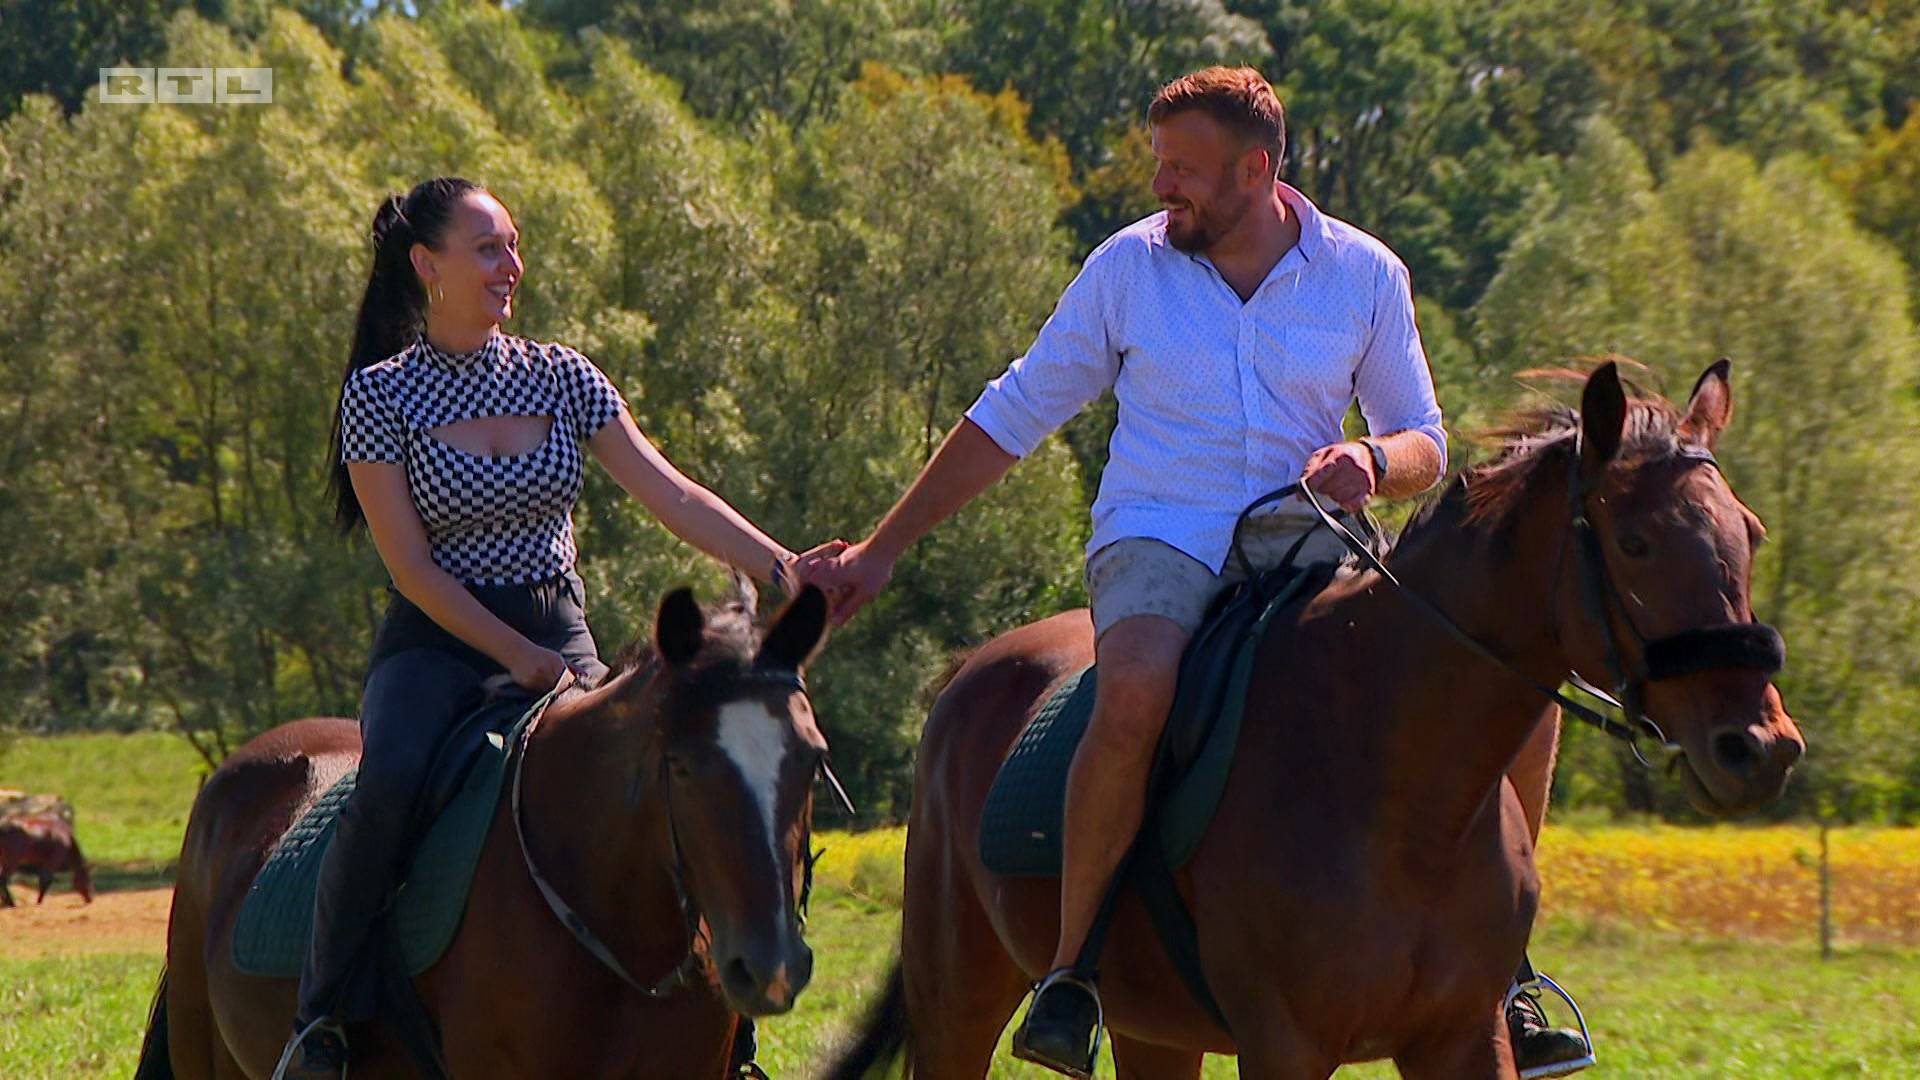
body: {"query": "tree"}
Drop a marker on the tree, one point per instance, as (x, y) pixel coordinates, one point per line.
(1763, 265)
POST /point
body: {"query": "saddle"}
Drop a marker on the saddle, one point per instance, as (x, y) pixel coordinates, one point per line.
(270, 936)
(1021, 823)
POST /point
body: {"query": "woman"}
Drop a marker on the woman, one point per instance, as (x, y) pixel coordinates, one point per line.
(459, 447)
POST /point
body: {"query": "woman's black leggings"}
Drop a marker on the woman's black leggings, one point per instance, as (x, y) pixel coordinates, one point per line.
(420, 681)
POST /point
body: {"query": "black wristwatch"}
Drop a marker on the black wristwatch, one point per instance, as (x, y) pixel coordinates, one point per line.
(1379, 461)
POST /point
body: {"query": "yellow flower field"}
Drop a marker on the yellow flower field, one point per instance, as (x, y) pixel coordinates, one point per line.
(1729, 881)
(1716, 881)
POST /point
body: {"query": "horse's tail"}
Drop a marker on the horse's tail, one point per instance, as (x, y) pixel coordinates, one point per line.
(885, 1036)
(156, 1058)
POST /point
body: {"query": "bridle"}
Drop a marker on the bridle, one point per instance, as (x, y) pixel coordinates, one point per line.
(1750, 646)
(693, 961)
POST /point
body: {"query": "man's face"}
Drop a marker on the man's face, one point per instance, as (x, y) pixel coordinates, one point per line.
(1207, 180)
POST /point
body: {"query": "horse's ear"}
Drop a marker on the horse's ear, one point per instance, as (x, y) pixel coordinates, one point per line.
(1603, 420)
(680, 629)
(798, 631)
(1711, 407)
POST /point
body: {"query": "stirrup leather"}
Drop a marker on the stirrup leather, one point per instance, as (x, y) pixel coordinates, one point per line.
(1558, 1068)
(1079, 1072)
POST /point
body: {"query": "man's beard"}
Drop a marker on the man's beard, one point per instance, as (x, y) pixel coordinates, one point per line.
(1207, 224)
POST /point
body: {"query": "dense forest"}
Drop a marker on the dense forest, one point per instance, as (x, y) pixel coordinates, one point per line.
(800, 235)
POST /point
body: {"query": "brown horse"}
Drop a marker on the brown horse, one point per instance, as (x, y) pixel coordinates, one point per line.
(1367, 886)
(684, 777)
(44, 845)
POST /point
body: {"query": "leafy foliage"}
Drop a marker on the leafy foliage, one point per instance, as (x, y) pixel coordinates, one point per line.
(801, 235)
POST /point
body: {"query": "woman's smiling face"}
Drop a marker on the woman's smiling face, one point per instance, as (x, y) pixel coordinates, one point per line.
(472, 278)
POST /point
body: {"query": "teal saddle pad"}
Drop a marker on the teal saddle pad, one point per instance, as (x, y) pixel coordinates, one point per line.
(1020, 826)
(276, 919)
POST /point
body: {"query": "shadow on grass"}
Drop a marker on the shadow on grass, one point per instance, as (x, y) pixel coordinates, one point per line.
(131, 876)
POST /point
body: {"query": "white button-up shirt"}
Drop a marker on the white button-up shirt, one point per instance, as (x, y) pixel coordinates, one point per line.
(1220, 401)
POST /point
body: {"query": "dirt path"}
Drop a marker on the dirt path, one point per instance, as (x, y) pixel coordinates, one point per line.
(116, 922)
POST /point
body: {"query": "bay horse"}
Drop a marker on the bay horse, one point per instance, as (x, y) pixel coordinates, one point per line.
(1367, 885)
(46, 846)
(670, 806)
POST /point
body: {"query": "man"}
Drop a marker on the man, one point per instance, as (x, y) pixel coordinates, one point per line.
(1235, 328)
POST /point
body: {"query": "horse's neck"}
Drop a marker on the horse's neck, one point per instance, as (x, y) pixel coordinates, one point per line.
(600, 848)
(1448, 722)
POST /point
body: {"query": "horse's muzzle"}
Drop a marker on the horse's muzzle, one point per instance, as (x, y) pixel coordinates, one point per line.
(765, 977)
(1736, 768)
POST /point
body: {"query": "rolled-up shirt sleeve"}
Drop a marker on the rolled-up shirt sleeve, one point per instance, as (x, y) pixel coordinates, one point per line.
(1069, 364)
(1393, 382)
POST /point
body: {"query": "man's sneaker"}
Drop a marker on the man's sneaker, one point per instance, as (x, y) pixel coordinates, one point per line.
(1063, 1026)
(1539, 1049)
(319, 1052)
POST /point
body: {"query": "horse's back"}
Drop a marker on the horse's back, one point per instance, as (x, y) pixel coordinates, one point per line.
(988, 702)
(256, 794)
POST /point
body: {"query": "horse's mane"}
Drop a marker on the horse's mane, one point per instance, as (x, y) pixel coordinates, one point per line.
(1538, 438)
(730, 631)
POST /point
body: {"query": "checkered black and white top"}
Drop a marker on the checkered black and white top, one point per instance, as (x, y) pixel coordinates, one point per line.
(489, 520)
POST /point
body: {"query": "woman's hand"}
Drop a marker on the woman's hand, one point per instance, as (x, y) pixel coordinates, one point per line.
(814, 566)
(538, 669)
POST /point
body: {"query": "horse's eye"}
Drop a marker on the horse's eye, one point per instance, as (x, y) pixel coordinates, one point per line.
(678, 767)
(1633, 545)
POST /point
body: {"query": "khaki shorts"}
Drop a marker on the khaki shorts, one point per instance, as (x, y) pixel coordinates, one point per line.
(1138, 576)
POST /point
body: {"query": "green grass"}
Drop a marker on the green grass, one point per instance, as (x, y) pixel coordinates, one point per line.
(74, 1016)
(130, 795)
(1660, 1006)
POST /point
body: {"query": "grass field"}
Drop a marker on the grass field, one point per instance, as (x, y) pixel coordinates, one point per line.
(1692, 950)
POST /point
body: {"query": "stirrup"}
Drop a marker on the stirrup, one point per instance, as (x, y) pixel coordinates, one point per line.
(1078, 1072)
(1558, 1068)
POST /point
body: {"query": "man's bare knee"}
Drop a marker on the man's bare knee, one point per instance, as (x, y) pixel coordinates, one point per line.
(1139, 664)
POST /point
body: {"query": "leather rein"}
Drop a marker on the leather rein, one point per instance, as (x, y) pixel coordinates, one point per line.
(1750, 646)
(692, 961)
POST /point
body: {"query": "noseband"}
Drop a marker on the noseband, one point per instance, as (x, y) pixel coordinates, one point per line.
(1748, 646)
(691, 961)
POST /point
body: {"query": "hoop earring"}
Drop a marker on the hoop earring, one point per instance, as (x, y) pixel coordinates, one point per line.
(436, 294)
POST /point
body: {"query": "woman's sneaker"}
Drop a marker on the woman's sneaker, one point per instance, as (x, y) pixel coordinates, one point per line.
(1539, 1049)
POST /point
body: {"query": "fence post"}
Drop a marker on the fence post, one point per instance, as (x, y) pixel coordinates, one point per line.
(1826, 896)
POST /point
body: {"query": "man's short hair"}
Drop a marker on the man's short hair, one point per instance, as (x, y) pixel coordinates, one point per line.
(1240, 99)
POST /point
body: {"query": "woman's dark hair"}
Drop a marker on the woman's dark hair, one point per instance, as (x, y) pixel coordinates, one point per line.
(393, 311)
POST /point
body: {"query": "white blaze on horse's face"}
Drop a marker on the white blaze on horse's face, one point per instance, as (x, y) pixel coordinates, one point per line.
(754, 738)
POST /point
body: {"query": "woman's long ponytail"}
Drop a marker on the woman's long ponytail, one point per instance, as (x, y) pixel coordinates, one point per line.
(393, 309)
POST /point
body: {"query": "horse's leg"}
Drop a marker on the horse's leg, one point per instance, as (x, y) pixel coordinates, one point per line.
(962, 986)
(1532, 770)
(6, 888)
(46, 882)
(193, 1041)
(1461, 1053)
(1145, 1061)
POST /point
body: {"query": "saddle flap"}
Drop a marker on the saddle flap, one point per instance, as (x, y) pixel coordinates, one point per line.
(276, 919)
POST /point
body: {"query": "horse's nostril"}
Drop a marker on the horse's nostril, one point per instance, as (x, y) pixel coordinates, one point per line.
(738, 978)
(1735, 750)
